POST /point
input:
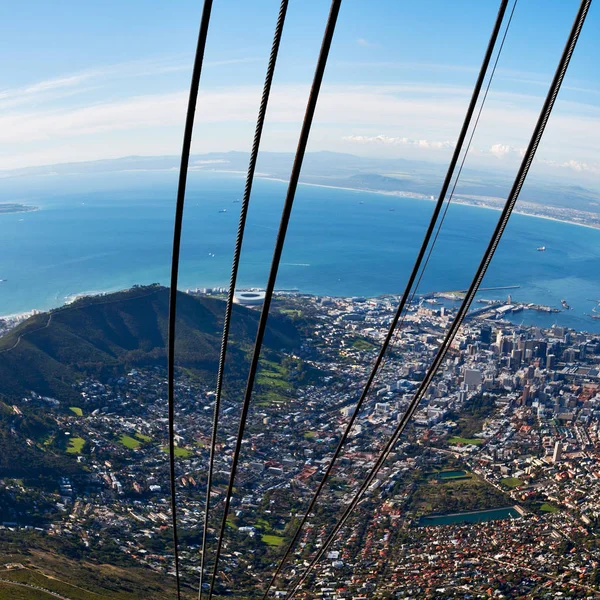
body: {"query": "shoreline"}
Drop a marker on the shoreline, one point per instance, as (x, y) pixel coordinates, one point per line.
(425, 197)
(22, 316)
(66, 302)
(312, 286)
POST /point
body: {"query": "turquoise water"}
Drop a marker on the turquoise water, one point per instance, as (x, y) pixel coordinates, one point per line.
(478, 516)
(106, 232)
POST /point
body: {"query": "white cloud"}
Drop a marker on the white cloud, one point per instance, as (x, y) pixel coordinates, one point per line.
(579, 166)
(398, 141)
(502, 150)
(573, 165)
(211, 162)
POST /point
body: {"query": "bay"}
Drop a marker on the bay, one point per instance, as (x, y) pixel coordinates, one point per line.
(104, 232)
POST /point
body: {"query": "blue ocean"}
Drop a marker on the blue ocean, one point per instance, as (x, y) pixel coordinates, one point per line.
(105, 232)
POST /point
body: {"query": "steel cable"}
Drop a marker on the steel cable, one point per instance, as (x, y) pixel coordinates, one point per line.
(462, 164)
(451, 196)
(262, 111)
(183, 169)
(417, 265)
(480, 273)
(285, 217)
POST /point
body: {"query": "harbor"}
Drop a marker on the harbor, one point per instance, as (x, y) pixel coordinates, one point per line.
(493, 308)
(497, 309)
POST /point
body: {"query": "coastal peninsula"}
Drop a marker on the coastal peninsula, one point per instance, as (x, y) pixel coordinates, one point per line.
(14, 207)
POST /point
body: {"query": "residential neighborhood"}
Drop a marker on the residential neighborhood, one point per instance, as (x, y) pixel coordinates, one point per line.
(495, 483)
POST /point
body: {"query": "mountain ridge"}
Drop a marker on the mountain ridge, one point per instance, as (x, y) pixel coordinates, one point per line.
(103, 335)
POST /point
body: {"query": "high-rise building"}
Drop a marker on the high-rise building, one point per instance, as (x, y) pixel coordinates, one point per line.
(499, 337)
(485, 334)
(557, 455)
(516, 357)
(382, 408)
(472, 378)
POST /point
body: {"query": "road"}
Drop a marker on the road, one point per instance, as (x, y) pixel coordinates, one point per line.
(27, 333)
(66, 308)
(34, 587)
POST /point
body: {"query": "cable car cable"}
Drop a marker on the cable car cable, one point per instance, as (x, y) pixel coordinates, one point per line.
(285, 217)
(480, 273)
(462, 164)
(403, 302)
(235, 266)
(185, 159)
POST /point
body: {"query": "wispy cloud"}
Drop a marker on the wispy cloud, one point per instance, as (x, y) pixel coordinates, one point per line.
(44, 86)
(413, 116)
(399, 65)
(72, 84)
(50, 90)
(232, 61)
(52, 84)
(365, 43)
(129, 114)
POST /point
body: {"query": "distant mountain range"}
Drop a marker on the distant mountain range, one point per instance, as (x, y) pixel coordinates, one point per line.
(356, 172)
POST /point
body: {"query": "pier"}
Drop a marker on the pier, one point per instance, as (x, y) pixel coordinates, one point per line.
(497, 309)
(459, 294)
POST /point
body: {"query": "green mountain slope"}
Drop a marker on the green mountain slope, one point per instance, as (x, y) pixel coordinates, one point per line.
(103, 336)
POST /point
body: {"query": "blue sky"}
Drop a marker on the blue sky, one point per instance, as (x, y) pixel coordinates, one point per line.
(89, 80)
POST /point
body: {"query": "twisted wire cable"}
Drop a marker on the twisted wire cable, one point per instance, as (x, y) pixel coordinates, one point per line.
(462, 164)
(380, 360)
(415, 290)
(480, 273)
(285, 217)
(262, 111)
